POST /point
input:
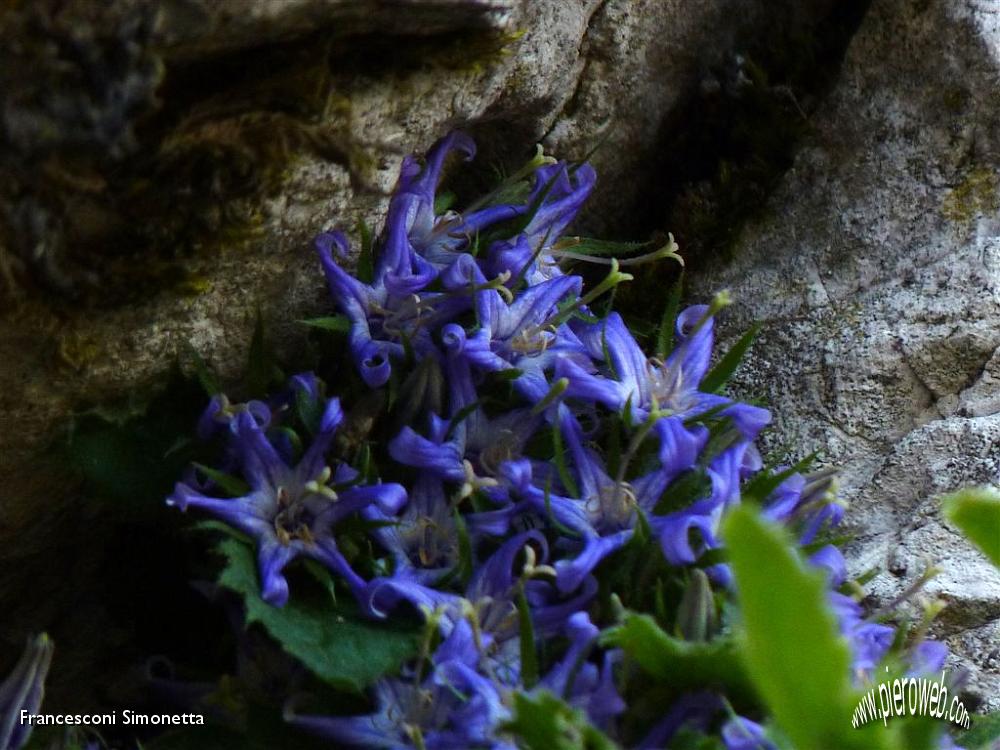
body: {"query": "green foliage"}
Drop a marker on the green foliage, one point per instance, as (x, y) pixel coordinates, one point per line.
(331, 638)
(789, 641)
(261, 369)
(719, 375)
(529, 652)
(604, 248)
(544, 722)
(135, 454)
(984, 734)
(977, 513)
(665, 334)
(680, 665)
(332, 323)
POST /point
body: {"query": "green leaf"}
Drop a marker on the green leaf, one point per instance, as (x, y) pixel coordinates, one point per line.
(136, 460)
(529, 653)
(365, 270)
(976, 511)
(983, 734)
(331, 638)
(719, 375)
(232, 486)
(681, 665)
(603, 248)
(759, 488)
(444, 200)
(261, 369)
(791, 646)
(544, 722)
(204, 372)
(665, 336)
(334, 323)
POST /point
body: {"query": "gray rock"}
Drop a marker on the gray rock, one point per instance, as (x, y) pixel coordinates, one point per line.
(195, 28)
(570, 74)
(876, 271)
(574, 73)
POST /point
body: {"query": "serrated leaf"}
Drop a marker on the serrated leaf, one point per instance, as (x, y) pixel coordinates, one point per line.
(719, 375)
(544, 722)
(790, 643)
(331, 639)
(976, 511)
(681, 665)
(334, 323)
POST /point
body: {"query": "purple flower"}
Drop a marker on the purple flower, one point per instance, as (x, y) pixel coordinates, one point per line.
(703, 516)
(491, 592)
(927, 658)
(558, 193)
(869, 641)
(629, 379)
(290, 510)
(418, 230)
(455, 707)
(604, 514)
(520, 334)
(583, 684)
(742, 734)
(384, 314)
(23, 691)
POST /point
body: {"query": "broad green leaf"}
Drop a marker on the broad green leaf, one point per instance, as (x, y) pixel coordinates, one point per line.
(330, 638)
(719, 375)
(335, 323)
(681, 665)
(791, 647)
(984, 734)
(544, 722)
(977, 513)
(137, 459)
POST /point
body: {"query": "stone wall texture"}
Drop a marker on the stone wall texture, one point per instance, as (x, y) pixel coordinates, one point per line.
(875, 266)
(876, 273)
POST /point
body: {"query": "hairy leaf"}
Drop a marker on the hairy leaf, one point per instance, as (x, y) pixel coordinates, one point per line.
(330, 638)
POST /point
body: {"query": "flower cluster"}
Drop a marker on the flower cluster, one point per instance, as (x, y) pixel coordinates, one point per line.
(530, 438)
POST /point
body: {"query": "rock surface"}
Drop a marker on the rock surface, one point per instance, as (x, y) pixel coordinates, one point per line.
(876, 273)
(569, 74)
